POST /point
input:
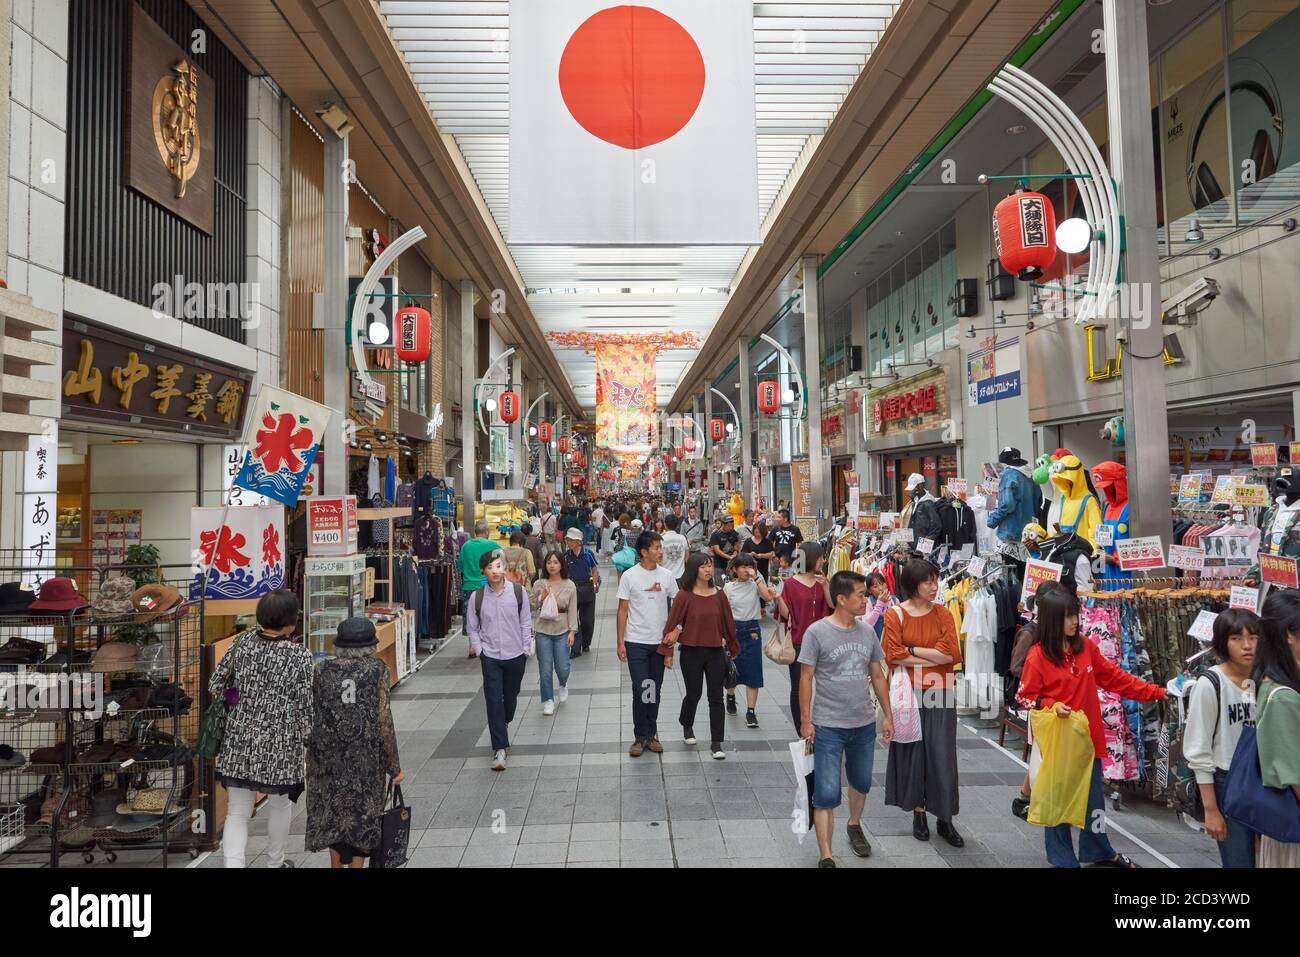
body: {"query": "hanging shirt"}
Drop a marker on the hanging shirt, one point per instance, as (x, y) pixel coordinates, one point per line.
(373, 487)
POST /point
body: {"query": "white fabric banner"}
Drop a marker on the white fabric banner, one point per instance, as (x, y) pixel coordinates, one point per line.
(633, 124)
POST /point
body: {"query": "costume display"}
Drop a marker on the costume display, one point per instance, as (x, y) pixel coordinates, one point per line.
(1112, 481)
(1018, 497)
(1281, 524)
(1080, 510)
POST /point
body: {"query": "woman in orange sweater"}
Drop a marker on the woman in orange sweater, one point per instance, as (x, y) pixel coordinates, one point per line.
(1063, 672)
(700, 622)
(921, 635)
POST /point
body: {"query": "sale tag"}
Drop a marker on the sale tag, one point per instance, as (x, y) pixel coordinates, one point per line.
(1280, 571)
(976, 567)
(1250, 495)
(1189, 488)
(925, 546)
(1136, 553)
(1223, 488)
(1038, 573)
(1203, 627)
(1243, 597)
(1191, 558)
(958, 486)
(906, 534)
(1105, 535)
(1263, 454)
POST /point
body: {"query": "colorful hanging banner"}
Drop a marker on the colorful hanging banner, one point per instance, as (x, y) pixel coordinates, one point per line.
(287, 432)
(244, 557)
(625, 398)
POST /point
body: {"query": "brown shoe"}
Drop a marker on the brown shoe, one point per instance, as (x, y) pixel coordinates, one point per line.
(637, 749)
(654, 745)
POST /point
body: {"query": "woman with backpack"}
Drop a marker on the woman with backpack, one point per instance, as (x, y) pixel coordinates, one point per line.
(1277, 711)
(1219, 704)
(520, 566)
(1062, 673)
(555, 625)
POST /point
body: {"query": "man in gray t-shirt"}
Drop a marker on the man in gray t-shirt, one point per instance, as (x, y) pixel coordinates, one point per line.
(838, 657)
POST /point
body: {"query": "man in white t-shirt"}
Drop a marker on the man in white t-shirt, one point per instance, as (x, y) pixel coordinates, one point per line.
(645, 593)
(676, 548)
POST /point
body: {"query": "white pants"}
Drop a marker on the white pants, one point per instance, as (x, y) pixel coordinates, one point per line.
(239, 811)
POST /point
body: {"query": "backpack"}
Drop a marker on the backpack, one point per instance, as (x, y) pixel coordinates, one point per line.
(516, 571)
(1183, 794)
(478, 599)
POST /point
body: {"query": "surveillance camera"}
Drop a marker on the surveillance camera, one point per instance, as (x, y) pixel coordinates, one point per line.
(1184, 308)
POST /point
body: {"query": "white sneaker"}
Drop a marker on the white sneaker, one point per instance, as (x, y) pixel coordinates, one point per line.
(564, 694)
(499, 760)
(719, 754)
(548, 708)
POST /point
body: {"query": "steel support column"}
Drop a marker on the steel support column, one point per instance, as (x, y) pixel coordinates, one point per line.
(1146, 414)
(469, 421)
(819, 466)
(334, 290)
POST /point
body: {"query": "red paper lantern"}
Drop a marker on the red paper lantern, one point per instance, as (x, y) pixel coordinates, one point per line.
(563, 444)
(769, 396)
(1024, 234)
(544, 431)
(688, 444)
(717, 429)
(508, 405)
(681, 453)
(414, 334)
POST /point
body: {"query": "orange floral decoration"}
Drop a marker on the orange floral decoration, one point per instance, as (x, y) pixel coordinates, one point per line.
(658, 341)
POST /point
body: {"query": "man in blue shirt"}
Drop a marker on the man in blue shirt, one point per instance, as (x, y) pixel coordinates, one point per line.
(499, 623)
(585, 575)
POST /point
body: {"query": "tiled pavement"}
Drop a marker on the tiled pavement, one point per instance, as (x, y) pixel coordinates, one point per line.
(572, 796)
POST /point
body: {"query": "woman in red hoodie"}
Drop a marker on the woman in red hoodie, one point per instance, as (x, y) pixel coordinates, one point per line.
(1063, 672)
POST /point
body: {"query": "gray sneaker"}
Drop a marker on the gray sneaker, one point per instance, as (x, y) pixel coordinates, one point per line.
(499, 760)
(858, 841)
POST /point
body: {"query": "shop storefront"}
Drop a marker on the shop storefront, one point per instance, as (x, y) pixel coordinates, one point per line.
(914, 426)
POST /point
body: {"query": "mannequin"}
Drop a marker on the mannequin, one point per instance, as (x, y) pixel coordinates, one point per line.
(1068, 550)
(1080, 511)
(925, 521)
(1112, 480)
(914, 481)
(1019, 500)
(1281, 524)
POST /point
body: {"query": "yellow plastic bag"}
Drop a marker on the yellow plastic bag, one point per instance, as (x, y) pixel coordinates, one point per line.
(1060, 794)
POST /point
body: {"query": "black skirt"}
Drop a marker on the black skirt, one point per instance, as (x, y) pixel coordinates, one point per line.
(924, 773)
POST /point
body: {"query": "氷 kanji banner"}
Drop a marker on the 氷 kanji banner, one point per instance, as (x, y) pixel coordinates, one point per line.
(246, 560)
(625, 398)
(287, 430)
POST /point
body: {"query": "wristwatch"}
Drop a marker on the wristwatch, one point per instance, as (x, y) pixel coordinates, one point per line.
(911, 651)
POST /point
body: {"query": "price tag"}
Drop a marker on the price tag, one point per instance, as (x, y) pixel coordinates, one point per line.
(925, 546)
(906, 534)
(1203, 627)
(1250, 495)
(1037, 573)
(1105, 536)
(958, 486)
(1278, 571)
(1136, 553)
(887, 519)
(1243, 597)
(1263, 454)
(965, 552)
(1187, 557)
(976, 567)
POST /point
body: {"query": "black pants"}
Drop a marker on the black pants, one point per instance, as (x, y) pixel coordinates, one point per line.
(699, 664)
(795, 671)
(586, 615)
(501, 681)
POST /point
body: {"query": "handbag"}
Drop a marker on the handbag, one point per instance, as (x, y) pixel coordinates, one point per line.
(395, 835)
(1247, 800)
(729, 678)
(779, 648)
(902, 704)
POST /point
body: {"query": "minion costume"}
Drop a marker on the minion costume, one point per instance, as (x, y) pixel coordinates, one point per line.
(1080, 510)
(1112, 479)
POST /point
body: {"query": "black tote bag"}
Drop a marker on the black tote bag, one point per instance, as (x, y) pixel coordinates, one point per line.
(396, 838)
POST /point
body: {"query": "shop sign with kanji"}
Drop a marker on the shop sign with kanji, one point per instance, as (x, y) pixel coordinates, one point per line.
(109, 376)
(244, 558)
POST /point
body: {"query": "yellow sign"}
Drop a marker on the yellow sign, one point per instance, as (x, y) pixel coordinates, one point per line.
(1250, 495)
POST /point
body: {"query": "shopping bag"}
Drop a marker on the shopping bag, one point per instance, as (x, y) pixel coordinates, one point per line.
(1060, 791)
(396, 834)
(902, 704)
(1248, 801)
(780, 648)
(801, 754)
(212, 729)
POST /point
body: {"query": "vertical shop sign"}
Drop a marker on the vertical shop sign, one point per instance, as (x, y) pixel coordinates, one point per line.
(40, 508)
(232, 461)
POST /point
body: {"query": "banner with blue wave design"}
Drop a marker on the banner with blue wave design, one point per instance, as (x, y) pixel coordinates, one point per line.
(288, 431)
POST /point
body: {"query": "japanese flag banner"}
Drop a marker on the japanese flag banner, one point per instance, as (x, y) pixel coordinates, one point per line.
(633, 124)
(287, 431)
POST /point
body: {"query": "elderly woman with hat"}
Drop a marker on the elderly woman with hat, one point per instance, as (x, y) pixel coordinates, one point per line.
(268, 677)
(352, 750)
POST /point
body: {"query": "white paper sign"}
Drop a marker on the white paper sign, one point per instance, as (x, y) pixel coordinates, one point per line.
(957, 486)
(1105, 536)
(925, 546)
(905, 534)
(1145, 552)
(1243, 597)
(855, 501)
(976, 566)
(966, 551)
(1188, 557)
(1203, 627)
(887, 520)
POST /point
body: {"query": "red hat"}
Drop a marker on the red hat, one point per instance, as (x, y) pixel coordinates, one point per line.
(58, 594)
(1061, 453)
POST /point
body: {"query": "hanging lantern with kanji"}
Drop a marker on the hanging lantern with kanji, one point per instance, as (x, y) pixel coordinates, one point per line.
(414, 334)
(717, 429)
(1024, 234)
(680, 453)
(769, 396)
(508, 405)
(688, 444)
(563, 444)
(544, 431)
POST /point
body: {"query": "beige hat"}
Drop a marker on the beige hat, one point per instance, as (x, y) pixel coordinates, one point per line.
(146, 801)
(573, 535)
(115, 656)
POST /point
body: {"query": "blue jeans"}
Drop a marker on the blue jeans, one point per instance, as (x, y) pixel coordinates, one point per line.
(645, 666)
(856, 746)
(1238, 849)
(552, 656)
(1094, 845)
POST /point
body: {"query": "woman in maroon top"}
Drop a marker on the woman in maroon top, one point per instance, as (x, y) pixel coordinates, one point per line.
(804, 600)
(700, 622)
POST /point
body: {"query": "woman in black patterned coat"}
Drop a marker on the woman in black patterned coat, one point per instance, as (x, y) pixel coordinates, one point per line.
(352, 750)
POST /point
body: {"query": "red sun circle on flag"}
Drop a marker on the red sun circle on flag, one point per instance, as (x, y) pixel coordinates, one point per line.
(632, 76)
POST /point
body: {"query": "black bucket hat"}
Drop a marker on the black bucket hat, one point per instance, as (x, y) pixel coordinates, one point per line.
(356, 633)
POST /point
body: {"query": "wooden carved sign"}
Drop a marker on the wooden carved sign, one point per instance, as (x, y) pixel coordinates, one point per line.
(170, 119)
